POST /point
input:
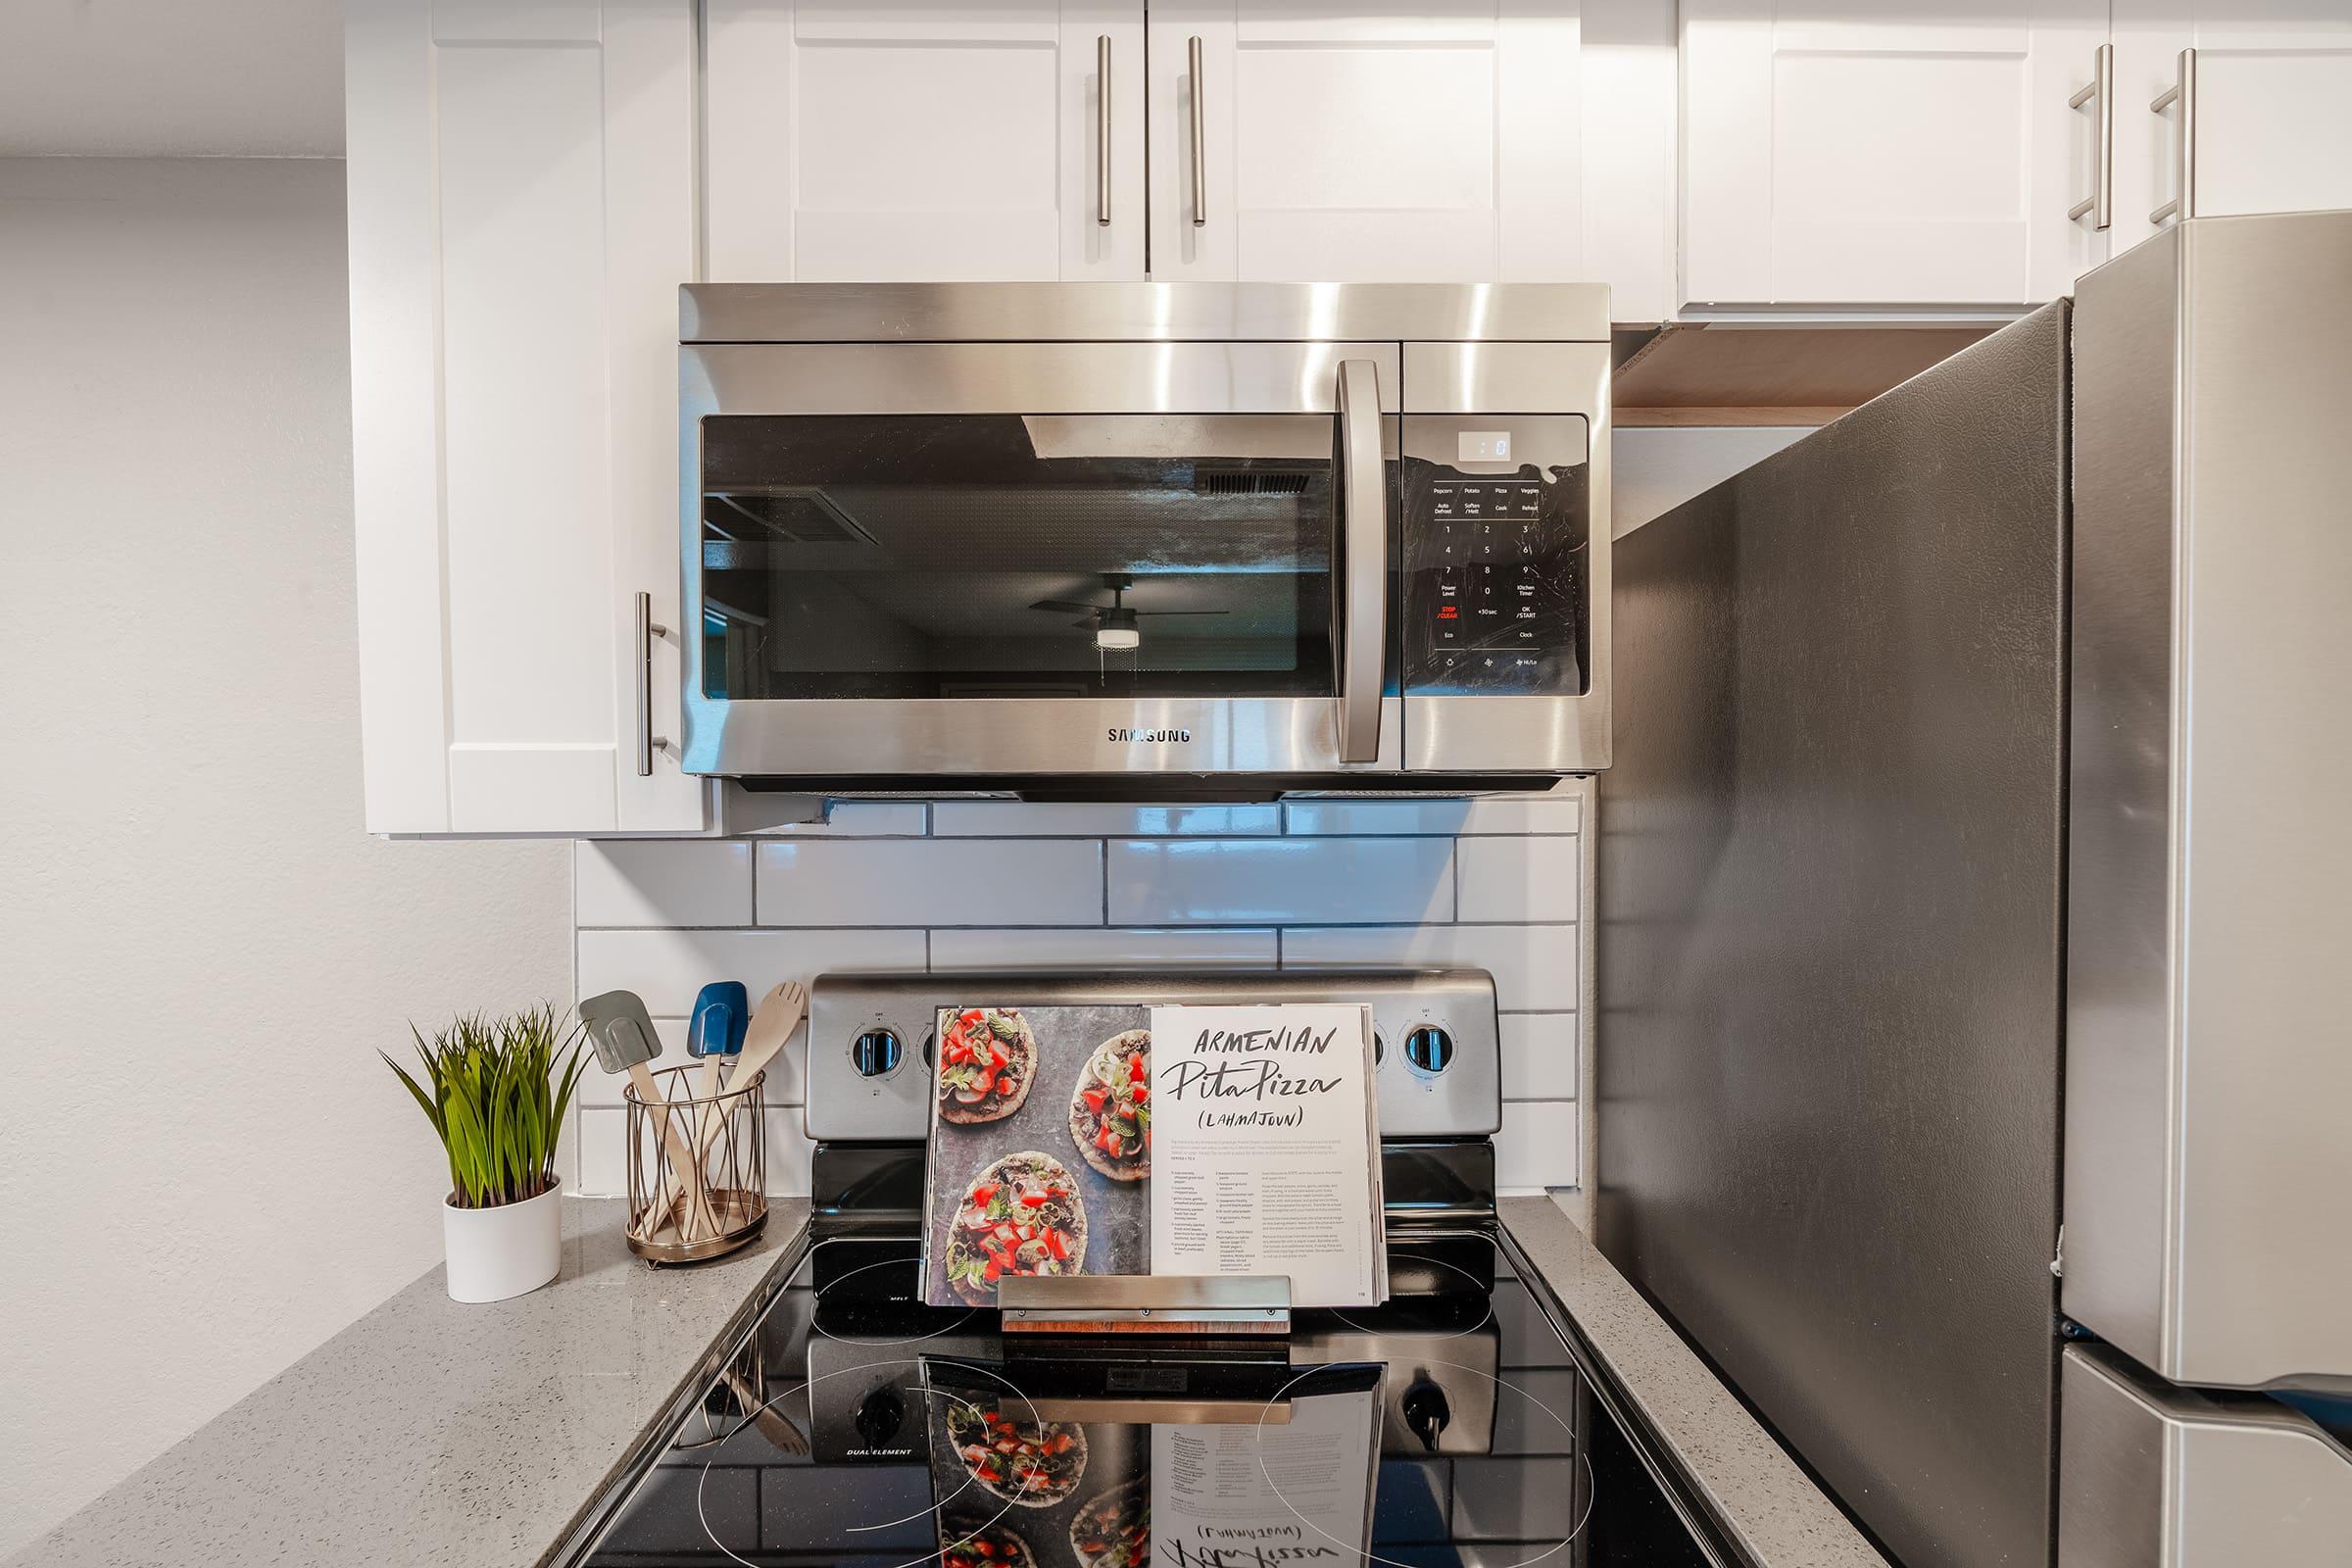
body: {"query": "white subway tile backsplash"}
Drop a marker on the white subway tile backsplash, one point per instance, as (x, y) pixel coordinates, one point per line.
(1518, 879)
(667, 967)
(930, 882)
(788, 1155)
(1496, 813)
(1537, 1147)
(1492, 883)
(1538, 1056)
(1535, 966)
(604, 1152)
(1103, 948)
(661, 882)
(1064, 819)
(1279, 881)
(861, 820)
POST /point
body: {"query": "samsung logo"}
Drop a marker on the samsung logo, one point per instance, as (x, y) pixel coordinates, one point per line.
(1159, 737)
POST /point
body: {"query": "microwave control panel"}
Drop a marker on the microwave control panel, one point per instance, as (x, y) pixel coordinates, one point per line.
(1494, 559)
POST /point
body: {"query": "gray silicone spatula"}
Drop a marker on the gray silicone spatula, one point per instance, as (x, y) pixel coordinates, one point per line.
(622, 1033)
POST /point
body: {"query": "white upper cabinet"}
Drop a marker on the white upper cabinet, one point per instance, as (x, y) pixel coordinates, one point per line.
(1886, 152)
(521, 180)
(2269, 104)
(882, 140)
(1365, 141)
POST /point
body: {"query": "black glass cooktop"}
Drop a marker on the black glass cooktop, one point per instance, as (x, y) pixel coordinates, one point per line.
(860, 1428)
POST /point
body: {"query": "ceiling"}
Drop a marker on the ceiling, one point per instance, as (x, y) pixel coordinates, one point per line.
(182, 78)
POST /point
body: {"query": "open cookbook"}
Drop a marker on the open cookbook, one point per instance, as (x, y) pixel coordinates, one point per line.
(1135, 1140)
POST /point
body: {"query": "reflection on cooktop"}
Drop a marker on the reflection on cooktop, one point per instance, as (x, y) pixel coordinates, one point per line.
(861, 1428)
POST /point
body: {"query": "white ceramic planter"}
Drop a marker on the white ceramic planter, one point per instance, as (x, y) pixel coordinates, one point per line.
(497, 1253)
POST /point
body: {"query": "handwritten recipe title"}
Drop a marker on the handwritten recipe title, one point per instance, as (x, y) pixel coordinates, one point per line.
(1261, 1067)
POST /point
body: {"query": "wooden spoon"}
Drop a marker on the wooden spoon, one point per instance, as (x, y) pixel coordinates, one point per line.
(779, 1013)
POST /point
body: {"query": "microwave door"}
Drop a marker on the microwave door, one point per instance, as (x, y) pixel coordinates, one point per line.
(1003, 594)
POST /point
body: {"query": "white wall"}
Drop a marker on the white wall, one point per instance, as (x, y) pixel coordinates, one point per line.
(208, 1171)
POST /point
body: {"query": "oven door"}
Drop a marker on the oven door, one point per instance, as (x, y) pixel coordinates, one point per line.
(1012, 561)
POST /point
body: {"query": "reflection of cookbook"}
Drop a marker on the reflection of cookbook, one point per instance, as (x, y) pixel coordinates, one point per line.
(1014, 1489)
(1292, 1493)
(1023, 1479)
(1044, 1159)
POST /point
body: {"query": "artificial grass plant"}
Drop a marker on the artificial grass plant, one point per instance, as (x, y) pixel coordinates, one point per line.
(498, 1091)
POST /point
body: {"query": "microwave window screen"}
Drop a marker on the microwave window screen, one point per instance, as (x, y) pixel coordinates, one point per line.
(953, 556)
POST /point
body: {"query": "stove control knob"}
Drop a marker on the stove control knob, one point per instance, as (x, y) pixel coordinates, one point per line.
(1429, 1047)
(1425, 1412)
(876, 1052)
(878, 1416)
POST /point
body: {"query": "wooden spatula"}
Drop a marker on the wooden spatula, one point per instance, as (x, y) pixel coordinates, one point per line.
(624, 1036)
(779, 1014)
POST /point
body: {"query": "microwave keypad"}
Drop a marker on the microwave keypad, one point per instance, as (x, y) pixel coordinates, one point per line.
(1493, 580)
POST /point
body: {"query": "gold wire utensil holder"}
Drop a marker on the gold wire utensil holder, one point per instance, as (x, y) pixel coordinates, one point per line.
(698, 1168)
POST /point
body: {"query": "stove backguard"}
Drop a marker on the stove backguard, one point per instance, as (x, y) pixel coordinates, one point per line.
(1435, 1035)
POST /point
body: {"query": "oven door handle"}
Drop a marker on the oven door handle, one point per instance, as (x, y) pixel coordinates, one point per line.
(1360, 575)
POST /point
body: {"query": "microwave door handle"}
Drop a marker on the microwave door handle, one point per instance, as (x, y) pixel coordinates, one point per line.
(1359, 612)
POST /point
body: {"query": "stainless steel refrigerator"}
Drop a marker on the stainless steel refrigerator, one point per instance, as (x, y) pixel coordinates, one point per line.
(1974, 1049)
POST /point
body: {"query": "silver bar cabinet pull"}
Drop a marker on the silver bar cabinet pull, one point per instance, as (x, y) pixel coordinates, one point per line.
(2100, 203)
(647, 629)
(1360, 581)
(1191, 52)
(1102, 129)
(2183, 91)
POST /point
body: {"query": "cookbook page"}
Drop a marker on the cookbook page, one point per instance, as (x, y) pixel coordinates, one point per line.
(1040, 1147)
(1264, 1148)
(1294, 1488)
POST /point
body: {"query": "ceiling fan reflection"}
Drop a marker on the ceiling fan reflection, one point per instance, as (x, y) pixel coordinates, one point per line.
(1113, 624)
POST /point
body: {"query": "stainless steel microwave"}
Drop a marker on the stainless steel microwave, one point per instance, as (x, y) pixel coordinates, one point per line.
(1136, 539)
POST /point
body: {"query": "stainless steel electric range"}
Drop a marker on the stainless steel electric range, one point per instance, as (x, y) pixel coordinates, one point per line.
(838, 1430)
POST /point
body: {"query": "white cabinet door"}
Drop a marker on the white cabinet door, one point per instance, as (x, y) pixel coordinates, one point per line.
(521, 181)
(881, 140)
(1885, 152)
(2272, 98)
(1353, 140)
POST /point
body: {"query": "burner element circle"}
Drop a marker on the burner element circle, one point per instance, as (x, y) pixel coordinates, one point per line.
(939, 1507)
(817, 1301)
(1575, 1448)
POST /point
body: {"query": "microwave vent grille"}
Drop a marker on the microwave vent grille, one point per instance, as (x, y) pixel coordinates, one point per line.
(1251, 481)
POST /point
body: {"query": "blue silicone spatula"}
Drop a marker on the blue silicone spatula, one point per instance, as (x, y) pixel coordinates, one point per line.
(723, 1011)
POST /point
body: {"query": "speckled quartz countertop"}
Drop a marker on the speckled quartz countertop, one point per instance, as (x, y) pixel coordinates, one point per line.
(1778, 1516)
(433, 1433)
